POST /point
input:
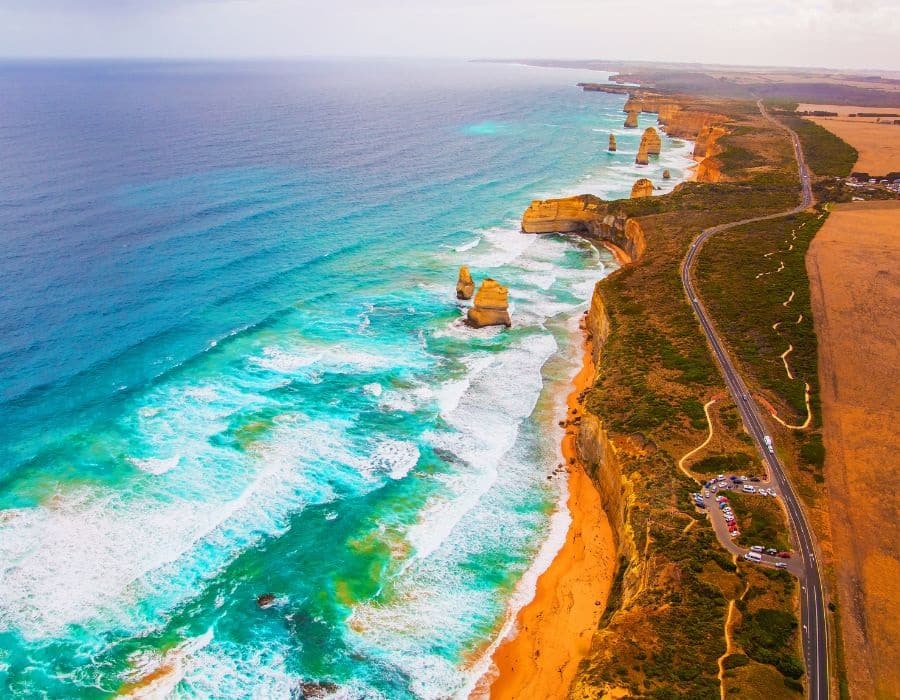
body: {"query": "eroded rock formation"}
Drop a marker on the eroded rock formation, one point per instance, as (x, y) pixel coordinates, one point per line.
(465, 285)
(590, 216)
(491, 307)
(641, 188)
(652, 140)
(642, 157)
(705, 141)
(612, 143)
(688, 124)
(667, 175)
(631, 121)
(565, 215)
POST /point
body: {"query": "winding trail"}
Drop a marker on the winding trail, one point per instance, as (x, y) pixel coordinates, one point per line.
(813, 628)
(703, 444)
(729, 623)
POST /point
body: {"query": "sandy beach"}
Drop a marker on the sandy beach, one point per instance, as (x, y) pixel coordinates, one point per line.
(553, 632)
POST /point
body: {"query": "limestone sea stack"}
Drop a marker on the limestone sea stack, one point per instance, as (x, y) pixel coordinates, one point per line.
(612, 143)
(491, 306)
(641, 188)
(653, 141)
(642, 157)
(465, 285)
(667, 175)
(631, 121)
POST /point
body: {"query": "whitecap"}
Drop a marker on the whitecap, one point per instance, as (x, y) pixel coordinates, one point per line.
(155, 465)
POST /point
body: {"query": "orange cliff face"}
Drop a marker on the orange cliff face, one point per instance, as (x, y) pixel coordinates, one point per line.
(588, 215)
(631, 121)
(688, 124)
(565, 215)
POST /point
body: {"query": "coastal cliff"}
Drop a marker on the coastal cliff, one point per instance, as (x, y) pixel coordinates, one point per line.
(590, 216)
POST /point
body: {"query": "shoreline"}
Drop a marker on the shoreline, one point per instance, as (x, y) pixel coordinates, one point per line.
(552, 633)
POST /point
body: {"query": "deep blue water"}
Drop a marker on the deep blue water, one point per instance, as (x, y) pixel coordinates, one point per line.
(231, 362)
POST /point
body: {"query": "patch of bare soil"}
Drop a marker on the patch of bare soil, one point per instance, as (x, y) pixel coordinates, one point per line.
(854, 271)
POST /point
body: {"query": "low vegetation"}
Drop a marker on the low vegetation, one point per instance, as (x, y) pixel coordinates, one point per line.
(761, 521)
(754, 283)
(826, 154)
(733, 463)
(663, 631)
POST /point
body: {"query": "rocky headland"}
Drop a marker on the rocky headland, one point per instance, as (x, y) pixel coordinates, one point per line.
(589, 216)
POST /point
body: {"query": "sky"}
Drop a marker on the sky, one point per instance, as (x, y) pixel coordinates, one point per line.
(830, 33)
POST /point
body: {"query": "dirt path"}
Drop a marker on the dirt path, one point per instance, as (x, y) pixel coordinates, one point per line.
(703, 444)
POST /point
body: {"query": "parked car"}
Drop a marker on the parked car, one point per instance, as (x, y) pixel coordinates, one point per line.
(748, 489)
(754, 479)
(771, 551)
(784, 555)
(780, 565)
(706, 493)
(757, 548)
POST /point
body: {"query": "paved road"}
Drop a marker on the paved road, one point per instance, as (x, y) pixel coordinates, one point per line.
(812, 604)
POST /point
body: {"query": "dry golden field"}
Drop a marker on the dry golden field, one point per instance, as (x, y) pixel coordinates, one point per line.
(878, 144)
(854, 271)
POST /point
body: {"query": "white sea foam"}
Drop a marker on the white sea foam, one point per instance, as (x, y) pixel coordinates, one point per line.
(154, 465)
(373, 389)
(91, 552)
(395, 457)
(467, 246)
(501, 393)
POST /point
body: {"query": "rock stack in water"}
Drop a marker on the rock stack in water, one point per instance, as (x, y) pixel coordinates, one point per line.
(651, 138)
(642, 157)
(491, 306)
(631, 120)
(465, 285)
(612, 143)
(667, 175)
(641, 188)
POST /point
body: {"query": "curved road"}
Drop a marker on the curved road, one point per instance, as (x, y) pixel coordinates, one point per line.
(812, 604)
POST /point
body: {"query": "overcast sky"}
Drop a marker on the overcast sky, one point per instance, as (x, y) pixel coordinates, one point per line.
(832, 33)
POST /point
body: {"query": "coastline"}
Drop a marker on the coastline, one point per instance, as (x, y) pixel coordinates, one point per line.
(553, 631)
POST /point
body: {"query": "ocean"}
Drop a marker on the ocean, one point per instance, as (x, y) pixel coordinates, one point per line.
(232, 364)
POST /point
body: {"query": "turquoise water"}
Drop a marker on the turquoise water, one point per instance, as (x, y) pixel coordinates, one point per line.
(232, 363)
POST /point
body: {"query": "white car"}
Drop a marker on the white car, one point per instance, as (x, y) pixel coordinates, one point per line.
(706, 493)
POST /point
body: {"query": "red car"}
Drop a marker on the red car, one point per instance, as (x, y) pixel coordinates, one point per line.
(784, 555)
